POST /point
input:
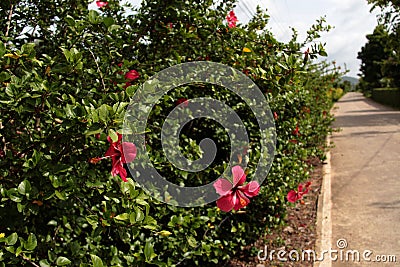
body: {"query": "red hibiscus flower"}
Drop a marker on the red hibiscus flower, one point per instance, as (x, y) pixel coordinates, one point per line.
(132, 75)
(296, 131)
(293, 195)
(236, 195)
(182, 100)
(120, 153)
(127, 84)
(101, 4)
(232, 19)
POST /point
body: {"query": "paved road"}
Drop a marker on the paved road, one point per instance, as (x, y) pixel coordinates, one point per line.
(366, 179)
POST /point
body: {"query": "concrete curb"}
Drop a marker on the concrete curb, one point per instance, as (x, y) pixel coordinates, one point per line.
(324, 218)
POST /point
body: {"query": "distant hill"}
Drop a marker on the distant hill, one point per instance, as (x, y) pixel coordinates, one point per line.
(352, 80)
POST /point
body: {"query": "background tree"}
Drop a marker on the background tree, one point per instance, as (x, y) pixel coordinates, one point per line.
(372, 56)
(389, 20)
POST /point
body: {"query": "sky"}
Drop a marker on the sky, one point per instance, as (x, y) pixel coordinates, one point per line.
(351, 20)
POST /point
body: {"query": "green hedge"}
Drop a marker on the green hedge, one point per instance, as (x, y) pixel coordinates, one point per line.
(387, 96)
(64, 89)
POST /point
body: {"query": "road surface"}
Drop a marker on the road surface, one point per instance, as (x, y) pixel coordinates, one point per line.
(365, 183)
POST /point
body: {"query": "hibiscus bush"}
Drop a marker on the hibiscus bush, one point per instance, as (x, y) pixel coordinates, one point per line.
(67, 76)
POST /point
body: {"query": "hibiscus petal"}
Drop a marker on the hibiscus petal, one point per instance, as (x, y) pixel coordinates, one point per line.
(241, 200)
(111, 151)
(307, 186)
(300, 188)
(123, 174)
(251, 189)
(132, 75)
(119, 137)
(225, 203)
(238, 176)
(101, 4)
(128, 152)
(222, 186)
(118, 169)
(292, 196)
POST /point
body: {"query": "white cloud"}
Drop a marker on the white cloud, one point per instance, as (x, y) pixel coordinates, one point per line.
(351, 19)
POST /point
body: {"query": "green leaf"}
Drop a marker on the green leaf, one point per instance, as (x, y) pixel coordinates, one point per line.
(122, 217)
(15, 198)
(28, 48)
(67, 54)
(31, 243)
(70, 20)
(130, 90)
(93, 132)
(108, 21)
(52, 223)
(97, 262)
(323, 53)
(139, 215)
(104, 112)
(12, 239)
(2, 49)
(44, 263)
(62, 261)
(94, 17)
(24, 187)
(18, 251)
(60, 195)
(9, 91)
(93, 220)
(164, 233)
(113, 135)
(149, 251)
(4, 76)
(192, 241)
(113, 28)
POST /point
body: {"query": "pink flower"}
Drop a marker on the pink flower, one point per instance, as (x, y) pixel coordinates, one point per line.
(101, 4)
(276, 116)
(236, 195)
(293, 195)
(132, 75)
(232, 19)
(120, 153)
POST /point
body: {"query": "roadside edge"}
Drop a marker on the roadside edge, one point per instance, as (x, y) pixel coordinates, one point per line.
(324, 218)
